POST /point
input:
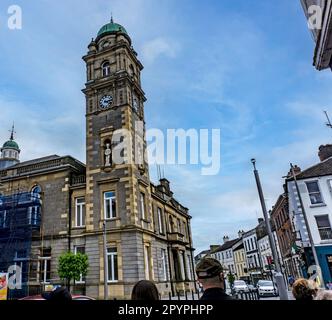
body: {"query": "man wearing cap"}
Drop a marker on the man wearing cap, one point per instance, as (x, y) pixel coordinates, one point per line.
(210, 274)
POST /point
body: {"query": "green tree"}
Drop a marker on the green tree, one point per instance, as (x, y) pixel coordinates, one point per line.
(72, 267)
(231, 279)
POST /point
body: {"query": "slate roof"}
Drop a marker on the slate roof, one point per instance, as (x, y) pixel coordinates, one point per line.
(225, 246)
(321, 169)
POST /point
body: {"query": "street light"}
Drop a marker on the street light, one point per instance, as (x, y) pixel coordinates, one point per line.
(279, 278)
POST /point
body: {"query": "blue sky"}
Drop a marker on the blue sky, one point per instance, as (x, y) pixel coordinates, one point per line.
(242, 66)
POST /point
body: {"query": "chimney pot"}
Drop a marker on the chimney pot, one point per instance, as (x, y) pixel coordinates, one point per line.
(325, 152)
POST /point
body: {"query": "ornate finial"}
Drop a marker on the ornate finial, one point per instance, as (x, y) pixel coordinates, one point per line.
(112, 21)
(12, 132)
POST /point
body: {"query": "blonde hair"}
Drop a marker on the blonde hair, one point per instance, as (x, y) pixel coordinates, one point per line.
(304, 289)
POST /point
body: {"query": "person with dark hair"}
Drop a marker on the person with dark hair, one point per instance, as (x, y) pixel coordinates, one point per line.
(291, 280)
(304, 290)
(145, 290)
(60, 294)
(210, 274)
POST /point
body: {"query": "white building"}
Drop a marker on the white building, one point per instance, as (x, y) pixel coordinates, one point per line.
(315, 186)
(224, 254)
(265, 251)
(252, 255)
(319, 15)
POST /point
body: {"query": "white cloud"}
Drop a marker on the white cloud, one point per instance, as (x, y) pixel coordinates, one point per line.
(155, 48)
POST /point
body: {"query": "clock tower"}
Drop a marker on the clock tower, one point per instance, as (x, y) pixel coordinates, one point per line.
(118, 191)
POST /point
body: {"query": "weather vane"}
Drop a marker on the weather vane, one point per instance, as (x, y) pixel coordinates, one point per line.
(12, 131)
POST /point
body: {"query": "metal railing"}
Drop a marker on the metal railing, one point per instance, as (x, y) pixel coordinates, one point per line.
(325, 234)
(196, 295)
(247, 295)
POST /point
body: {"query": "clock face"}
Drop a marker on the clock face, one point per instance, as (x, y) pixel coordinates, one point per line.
(106, 101)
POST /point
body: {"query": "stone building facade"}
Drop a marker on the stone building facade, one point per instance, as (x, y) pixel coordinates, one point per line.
(148, 232)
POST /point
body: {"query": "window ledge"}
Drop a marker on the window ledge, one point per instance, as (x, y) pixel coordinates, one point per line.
(329, 241)
(111, 219)
(318, 205)
(146, 220)
(78, 228)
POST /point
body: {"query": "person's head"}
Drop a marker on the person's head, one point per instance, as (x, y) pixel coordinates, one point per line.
(304, 289)
(210, 273)
(324, 295)
(145, 290)
(59, 294)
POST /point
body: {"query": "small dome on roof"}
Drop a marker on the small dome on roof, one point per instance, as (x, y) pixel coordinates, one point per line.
(111, 28)
(11, 144)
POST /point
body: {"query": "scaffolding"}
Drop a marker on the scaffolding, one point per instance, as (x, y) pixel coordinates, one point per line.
(20, 220)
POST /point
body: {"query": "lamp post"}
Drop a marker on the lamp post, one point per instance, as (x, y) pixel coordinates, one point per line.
(279, 278)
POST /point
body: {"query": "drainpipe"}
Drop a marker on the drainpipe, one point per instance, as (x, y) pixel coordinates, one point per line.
(69, 211)
(192, 256)
(168, 253)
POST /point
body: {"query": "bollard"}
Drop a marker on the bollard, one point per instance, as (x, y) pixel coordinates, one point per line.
(283, 293)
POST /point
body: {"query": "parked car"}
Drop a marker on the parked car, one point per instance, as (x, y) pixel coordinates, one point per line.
(240, 286)
(266, 288)
(252, 288)
(75, 297)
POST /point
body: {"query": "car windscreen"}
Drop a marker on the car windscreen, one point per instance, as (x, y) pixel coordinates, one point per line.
(265, 283)
(239, 283)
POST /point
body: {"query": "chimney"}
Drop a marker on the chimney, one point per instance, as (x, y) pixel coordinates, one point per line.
(164, 187)
(226, 239)
(325, 152)
(297, 170)
(240, 233)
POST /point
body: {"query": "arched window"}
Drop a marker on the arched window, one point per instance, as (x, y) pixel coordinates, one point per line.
(36, 190)
(106, 68)
(34, 213)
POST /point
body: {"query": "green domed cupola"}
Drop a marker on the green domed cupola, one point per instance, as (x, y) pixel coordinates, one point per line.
(11, 144)
(111, 28)
(10, 152)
